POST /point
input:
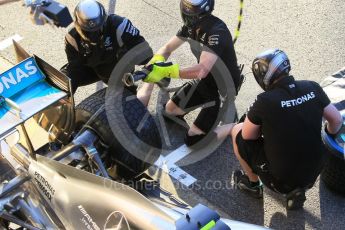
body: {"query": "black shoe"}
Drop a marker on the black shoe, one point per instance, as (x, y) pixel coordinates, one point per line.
(242, 182)
(295, 199)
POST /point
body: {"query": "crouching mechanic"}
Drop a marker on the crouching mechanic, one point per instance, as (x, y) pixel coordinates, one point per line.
(210, 42)
(279, 141)
(97, 42)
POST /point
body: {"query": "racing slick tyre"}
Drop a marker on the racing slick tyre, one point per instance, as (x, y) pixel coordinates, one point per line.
(128, 165)
(333, 174)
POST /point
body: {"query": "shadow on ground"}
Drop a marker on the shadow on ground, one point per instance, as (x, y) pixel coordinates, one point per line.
(215, 185)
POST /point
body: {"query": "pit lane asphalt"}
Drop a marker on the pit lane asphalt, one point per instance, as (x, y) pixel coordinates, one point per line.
(310, 31)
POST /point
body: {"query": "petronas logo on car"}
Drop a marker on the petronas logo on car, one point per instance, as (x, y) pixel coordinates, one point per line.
(14, 76)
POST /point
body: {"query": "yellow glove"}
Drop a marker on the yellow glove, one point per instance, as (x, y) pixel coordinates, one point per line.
(157, 58)
(161, 70)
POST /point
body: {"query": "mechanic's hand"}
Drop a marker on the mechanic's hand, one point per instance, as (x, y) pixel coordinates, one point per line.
(161, 70)
(331, 134)
(156, 58)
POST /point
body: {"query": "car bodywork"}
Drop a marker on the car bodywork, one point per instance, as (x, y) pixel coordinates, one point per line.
(53, 195)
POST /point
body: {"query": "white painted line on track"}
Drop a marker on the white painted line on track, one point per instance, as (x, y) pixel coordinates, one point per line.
(178, 154)
(167, 165)
(175, 171)
(8, 41)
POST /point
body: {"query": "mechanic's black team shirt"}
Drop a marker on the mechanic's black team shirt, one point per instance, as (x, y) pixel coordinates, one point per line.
(213, 36)
(290, 116)
(119, 36)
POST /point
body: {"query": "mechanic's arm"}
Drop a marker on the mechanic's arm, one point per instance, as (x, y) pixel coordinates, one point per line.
(198, 71)
(74, 67)
(170, 47)
(71, 50)
(202, 69)
(333, 117)
(144, 93)
(250, 131)
(129, 37)
(213, 47)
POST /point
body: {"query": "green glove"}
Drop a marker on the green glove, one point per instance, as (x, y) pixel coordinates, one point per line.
(161, 70)
(157, 58)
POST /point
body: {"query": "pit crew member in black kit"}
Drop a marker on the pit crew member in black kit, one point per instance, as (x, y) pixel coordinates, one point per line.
(210, 42)
(97, 42)
(280, 139)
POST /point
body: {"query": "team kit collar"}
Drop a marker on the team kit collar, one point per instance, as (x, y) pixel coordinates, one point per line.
(203, 24)
(284, 81)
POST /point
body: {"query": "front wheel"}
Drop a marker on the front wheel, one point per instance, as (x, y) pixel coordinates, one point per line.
(128, 164)
(333, 174)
